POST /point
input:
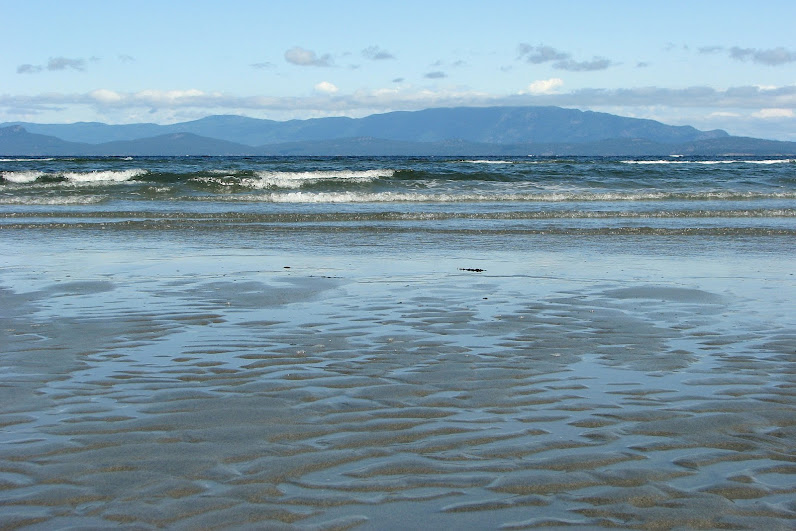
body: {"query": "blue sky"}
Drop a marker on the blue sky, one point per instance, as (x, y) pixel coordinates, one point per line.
(711, 64)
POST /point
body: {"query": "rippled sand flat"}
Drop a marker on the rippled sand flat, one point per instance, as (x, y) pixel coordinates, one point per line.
(149, 384)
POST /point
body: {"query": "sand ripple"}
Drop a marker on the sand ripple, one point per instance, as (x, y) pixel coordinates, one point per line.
(281, 399)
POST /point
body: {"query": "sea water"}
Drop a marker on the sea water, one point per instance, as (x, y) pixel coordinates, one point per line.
(392, 343)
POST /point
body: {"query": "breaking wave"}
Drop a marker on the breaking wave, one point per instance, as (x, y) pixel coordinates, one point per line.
(293, 180)
(21, 177)
(103, 176)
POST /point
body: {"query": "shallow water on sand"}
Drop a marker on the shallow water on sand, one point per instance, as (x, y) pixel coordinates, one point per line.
(229, 381)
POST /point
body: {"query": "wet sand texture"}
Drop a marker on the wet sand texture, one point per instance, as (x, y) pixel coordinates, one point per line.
(443, 398)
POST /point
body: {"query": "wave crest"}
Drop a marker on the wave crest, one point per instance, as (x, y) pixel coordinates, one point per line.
(103, 176)
(21, 177)
(294, 180)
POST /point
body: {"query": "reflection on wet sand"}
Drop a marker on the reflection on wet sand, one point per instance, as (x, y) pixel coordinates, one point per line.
(291, 397)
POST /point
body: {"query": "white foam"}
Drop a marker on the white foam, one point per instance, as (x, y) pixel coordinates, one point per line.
(346, 197)
(20, 177)
(556, 197)
(23, 160)
(218, 181)
(349, 197)
(489, 161)
(50, 200)
(103, 176)
(293, 180)
(709, 162)
(781, 161)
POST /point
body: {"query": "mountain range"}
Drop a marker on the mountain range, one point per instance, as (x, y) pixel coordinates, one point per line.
(467, 131)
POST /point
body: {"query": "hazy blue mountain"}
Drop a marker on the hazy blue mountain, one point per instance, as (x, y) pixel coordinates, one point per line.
(738, 145)
(508, 125)
(491, 125)
(255, 132)
(15, 140)
(92, 132)
(173, 144)
(366, 146)
(497, 131)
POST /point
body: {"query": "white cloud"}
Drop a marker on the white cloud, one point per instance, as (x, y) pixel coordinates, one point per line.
(161, 97)
(749, 123)
(143, 98)
(326, 88)
(386, 92)
(544, 86)
(105, 96)
(774, 113)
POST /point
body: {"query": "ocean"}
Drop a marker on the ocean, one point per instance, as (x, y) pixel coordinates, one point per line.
(397, 343)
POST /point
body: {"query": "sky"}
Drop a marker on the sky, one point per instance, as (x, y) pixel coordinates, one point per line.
(711, 64)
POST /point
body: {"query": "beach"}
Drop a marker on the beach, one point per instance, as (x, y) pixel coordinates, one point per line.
(493, 372)
(213, 386)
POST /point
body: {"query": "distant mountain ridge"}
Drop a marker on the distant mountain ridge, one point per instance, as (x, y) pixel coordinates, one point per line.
(442, 131)
(490, 125)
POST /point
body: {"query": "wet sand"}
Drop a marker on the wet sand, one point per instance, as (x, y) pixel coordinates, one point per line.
(149, 385)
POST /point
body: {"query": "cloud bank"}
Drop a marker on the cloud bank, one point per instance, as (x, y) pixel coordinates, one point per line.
(541, 92)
